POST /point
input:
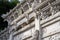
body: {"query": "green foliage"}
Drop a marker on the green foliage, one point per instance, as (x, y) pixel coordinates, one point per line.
(5, 6)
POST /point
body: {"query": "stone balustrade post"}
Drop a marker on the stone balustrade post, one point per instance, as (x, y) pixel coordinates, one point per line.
(38, 31)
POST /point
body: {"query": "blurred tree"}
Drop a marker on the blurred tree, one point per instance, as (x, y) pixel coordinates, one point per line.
(5, 6)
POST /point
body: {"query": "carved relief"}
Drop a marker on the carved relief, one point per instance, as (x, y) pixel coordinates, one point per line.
(36, 35)
(25, 8)
(53, 37)
(44, 15)
(20, 11)
(12, 18)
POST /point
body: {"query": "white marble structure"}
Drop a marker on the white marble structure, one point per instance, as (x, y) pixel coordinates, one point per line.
(34, 20)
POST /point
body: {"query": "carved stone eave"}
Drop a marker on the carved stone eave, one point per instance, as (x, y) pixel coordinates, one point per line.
(22, 16)
(13, 9)
(42, 22)
(25, 28)
(31, 10)
(42, 4)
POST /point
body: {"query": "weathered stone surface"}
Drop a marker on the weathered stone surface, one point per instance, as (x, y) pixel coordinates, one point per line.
(33, 20)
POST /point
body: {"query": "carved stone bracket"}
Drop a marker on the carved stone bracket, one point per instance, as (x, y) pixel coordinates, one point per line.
(27, 17)
(36, 13)
(29, 4)
(22, 7)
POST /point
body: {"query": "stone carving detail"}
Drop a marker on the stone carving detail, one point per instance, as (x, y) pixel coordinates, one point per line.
(46, 10)
(16, 15)
(36, 35)
(25, 8)
(12, 18)
(56, 9)
(35, 3)
(54, 37)
(44, 15)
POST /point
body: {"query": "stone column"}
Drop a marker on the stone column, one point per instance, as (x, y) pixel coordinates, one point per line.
(38, 27)
(38, 31)
(37, 22)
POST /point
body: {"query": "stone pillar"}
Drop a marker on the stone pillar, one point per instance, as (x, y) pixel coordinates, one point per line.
(38, 27)
(38, 31)
(37, 22)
